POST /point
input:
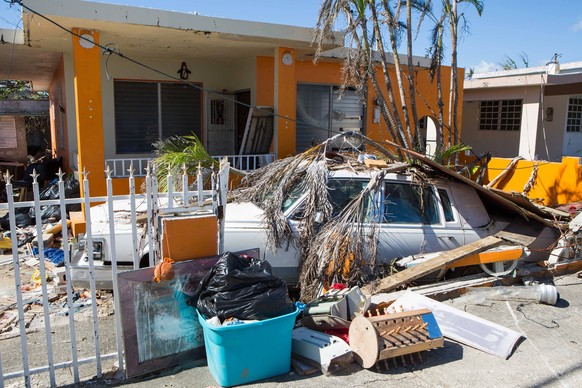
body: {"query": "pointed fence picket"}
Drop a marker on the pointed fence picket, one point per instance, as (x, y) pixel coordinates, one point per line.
(173, 201)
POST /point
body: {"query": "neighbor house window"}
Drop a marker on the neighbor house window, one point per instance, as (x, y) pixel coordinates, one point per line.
(7, 132)
(574, 121)
(500, 115)
(146, 112)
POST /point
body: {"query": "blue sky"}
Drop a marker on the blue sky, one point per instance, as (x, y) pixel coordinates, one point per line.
(536, 28)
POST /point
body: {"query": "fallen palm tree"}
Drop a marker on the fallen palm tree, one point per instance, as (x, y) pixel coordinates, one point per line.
(341, 242)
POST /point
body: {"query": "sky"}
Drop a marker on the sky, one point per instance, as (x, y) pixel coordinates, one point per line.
(535, 29)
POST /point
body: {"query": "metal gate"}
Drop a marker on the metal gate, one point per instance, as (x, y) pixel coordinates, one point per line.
(72, 350)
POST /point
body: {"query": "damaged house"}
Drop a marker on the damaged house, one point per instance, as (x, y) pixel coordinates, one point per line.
(120, 78)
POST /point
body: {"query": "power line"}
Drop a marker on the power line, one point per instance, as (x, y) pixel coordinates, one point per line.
(109, 51)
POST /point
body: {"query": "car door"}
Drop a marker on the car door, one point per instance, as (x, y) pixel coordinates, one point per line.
(413, 221)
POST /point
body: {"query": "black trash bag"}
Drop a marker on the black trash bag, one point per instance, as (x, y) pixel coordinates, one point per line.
(48, 214)
(52, 213)
(22, 219)
(242, 287)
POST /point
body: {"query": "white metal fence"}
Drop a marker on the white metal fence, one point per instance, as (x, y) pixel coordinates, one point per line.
(120, 167)
(73, 359)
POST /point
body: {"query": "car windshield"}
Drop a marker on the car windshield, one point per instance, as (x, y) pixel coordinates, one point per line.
(341, 193)
(291, 198)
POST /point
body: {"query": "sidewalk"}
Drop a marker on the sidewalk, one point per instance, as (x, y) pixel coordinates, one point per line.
(551, 355)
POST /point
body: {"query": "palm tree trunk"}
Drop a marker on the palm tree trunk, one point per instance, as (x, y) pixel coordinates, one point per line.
(454, 95)
(411, 84)
(393, 117)
(392, 23)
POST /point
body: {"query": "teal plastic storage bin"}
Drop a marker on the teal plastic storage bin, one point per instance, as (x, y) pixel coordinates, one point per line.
(240, 354)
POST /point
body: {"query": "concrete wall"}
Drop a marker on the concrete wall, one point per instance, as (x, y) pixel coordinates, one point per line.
(525, 142)
(552, 132)
(19, 153)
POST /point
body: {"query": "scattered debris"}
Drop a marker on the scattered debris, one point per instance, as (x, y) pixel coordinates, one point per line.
(463, 327)
(328, 353)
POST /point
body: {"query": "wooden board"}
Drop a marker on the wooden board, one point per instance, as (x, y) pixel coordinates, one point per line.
(445, 258)
(258, 133)
(364, 342)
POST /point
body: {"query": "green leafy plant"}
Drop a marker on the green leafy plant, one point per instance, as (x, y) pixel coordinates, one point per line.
(177, 153)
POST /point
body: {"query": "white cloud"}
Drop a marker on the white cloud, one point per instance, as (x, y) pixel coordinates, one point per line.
(484, 67)
(578, 26)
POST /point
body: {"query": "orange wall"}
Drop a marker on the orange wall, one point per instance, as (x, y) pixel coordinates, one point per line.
(555, 183)
(57, 99)
(426, 98)
(265, 81)
(88, 102)
(285, 107)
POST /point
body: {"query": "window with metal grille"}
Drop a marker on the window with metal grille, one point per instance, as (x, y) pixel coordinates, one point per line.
(500, 115)
(146, 112)
(323, 111)
(574, 120)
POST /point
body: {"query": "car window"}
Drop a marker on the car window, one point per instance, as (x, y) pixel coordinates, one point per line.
(291, 197)
(447, 206)
(409, 204)
(343, 191)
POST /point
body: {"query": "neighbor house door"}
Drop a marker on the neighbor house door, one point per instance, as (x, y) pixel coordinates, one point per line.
(573, 133)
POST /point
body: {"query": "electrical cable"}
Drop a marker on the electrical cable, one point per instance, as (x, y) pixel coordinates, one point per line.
(107, 50)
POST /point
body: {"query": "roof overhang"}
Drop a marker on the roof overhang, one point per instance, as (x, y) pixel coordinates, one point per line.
(143, 33)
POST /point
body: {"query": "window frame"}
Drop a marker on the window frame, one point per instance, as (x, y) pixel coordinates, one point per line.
(162, 95)
(500, 115)
(574, 114)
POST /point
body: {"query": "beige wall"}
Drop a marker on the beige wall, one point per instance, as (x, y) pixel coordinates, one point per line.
(553, 131)
(213, 75)
(504, 144)
(538, 138)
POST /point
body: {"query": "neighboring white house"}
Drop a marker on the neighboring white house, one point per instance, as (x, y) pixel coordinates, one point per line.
(533, 112)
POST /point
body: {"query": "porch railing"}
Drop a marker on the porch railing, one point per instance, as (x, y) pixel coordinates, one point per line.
(120, 167)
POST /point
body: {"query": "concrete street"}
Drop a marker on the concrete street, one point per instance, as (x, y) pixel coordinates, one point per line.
(550, 356)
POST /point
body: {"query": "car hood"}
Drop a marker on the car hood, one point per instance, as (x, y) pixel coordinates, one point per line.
(243, 211)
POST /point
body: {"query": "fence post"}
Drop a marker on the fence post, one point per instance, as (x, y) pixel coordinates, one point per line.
(45, 304)
(17, 284)
(89, 241)
(70, 309)
(113, 242)
(133, 216)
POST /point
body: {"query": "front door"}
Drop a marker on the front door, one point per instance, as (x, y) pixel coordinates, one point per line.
(220, 124)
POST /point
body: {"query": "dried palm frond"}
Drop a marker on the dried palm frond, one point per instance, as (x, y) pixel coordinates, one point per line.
(344, 250)
(346, 243)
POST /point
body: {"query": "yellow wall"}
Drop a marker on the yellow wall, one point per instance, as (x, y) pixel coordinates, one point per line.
(555, 183)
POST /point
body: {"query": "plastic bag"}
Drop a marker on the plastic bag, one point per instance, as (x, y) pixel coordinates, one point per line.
(242, 287)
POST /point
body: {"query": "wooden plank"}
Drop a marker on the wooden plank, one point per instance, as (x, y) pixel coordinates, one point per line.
(413, 348)
(440, 261)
